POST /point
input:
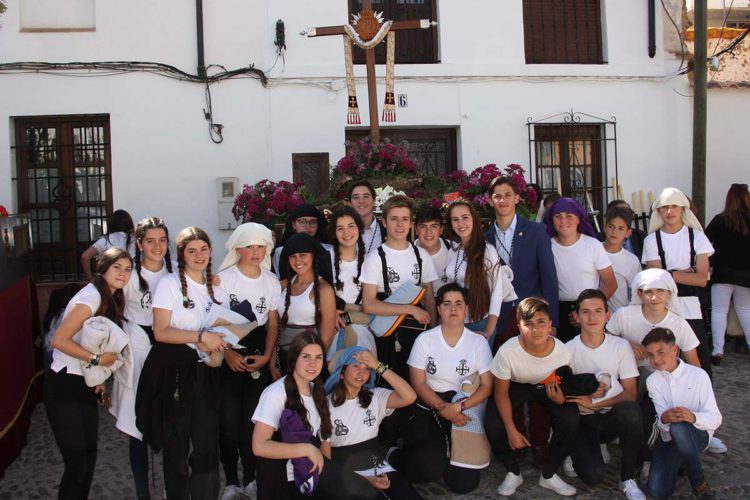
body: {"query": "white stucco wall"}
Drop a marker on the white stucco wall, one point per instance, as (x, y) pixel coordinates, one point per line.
(164, 162)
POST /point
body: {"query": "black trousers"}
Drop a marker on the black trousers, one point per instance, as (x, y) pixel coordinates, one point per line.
(564, 420)
(72, 411)
(425, 456)
(394, 351)
(240, 393)
(705, 346)
(191, 449)
(273, 483)
(623, 421)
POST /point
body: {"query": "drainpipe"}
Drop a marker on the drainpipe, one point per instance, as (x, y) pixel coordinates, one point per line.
(199, 36)
(700, 77)
(651, 28)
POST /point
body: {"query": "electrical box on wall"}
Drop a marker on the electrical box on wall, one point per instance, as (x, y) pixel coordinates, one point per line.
(227, 189)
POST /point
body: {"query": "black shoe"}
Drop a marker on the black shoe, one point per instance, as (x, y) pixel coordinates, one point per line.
(703, 491)
(716, 360)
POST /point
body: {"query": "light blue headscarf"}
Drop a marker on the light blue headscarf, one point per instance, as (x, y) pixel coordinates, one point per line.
(346, 357)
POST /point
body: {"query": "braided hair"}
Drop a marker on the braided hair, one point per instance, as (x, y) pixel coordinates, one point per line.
(112, 304)
(338, 213)
(183, 238)
(140, 232)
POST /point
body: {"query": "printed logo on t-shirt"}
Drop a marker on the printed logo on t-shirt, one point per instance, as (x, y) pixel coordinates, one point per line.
(190, 304)
(369, 419)
(431, 367)
(233, 300)
(393, 276)
(444, 279)
(208, 306)
(146, 300)
(340, 429)
(261, 305)
(415, 272)
(462, 368)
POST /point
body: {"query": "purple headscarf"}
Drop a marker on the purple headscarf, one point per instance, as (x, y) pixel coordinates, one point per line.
(570, 206)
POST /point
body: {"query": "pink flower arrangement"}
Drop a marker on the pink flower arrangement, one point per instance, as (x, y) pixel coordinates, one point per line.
(3, 211)
(364, 159)
(267, 200)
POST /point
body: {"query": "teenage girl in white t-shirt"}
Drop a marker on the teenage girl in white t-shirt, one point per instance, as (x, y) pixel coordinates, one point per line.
(475, 265)
(357, 410)
(151, 263)
(187, 390)
(119, 234)
(246, 277)
(301, 391)
(70, 403)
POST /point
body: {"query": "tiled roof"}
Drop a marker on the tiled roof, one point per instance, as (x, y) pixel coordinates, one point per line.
(734, 66)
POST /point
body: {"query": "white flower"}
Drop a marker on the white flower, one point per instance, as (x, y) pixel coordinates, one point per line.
(382, 194)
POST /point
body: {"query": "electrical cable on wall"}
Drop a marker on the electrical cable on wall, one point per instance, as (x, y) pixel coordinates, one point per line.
(214, 129)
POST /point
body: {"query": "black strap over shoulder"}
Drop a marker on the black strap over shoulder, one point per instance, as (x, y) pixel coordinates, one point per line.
(660, 248)
(419, 262)
(384, 266)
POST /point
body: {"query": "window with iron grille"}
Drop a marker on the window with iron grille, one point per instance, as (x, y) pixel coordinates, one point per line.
(312, 170)
(417, 46)
(63, 180)
(563, 31)
(432, 149)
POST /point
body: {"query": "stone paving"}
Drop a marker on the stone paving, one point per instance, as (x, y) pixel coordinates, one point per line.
(36, 473)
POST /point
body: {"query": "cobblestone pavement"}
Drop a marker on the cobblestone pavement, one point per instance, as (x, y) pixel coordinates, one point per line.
(36, 473)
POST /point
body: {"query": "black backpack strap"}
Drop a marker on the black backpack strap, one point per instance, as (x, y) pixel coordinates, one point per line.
(691, 236)
(660, 249)
(386, 285)
(419, 263)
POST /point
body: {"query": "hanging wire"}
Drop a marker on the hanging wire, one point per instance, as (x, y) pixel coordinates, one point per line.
(214, 129)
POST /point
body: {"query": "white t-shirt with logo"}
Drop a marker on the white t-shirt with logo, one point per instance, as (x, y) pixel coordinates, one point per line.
(439, 260)
(90, 297)
(446, 367)
(626, 266)
(137, 301)
(512, 362)
(169, 296)
(401, 267)
(578, 266)
(353, 424)
(628, 322)
(262, 292)
(613, 356)
(347, 273)
(677, 256)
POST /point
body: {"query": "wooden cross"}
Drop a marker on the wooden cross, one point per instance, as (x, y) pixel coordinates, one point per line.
(372, 92)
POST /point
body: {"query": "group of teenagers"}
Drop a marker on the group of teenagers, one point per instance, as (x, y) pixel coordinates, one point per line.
(370, 362)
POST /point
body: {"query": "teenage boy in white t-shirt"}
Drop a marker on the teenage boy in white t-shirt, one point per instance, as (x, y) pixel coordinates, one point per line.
(428, 224)
(522, 368)
(625, 264)
(611, 412)
(395, 262)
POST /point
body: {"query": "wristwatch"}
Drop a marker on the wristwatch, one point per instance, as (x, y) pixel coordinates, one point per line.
(94, 361)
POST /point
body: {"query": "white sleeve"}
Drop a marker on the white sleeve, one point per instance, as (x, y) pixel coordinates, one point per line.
(685, 336)
(418, 356)
(628, 367)
(91, 300)
(707, 417)
(381, 395)
(500, 367)
(101, 244)
(270, 406)
(614, 325)
(372, 270)
(166, 297)
(702, 244)
(483, 357)
(601, 258)
(275, 294)
(660, 403)
(429, 274)
(650, 252)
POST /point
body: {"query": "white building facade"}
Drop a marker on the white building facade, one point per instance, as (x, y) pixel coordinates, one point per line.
(477, 90)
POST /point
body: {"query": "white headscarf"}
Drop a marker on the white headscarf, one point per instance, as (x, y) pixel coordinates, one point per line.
(247, 234)
(650, 279)
(672, 196)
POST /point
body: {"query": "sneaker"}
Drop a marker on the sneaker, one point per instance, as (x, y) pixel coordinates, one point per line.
(645, 469)
(715, 445)
(557, 485)
(605, 453)
(570, 471)
(231, 492)
(716, 359)
(631, 490)
(251, 490)
(510, 484)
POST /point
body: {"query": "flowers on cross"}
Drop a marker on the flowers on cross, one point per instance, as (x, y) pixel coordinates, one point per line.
(267, 200)
(364, 159)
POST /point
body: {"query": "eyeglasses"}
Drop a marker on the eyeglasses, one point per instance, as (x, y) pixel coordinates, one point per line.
(307, 222)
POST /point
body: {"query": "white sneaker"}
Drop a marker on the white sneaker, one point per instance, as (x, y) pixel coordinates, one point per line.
(715, 445)
(605, 453)
(645, 469)
(631, 490)
(510, 484)
(568, 468)
(231, 492)
(557, 485)
(251, 490)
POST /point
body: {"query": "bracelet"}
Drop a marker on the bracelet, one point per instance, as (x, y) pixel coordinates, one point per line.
(200, 337)
(463, 404)
(381, 368)
(94, 361)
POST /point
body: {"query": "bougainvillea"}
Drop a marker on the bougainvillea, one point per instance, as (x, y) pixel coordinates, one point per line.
(267, 200)
(364, 159)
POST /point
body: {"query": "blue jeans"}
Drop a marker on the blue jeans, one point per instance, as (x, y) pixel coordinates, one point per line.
(685, 448)
(477, 326)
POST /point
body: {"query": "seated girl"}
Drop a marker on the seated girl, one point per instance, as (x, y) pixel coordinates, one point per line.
(357, 411)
